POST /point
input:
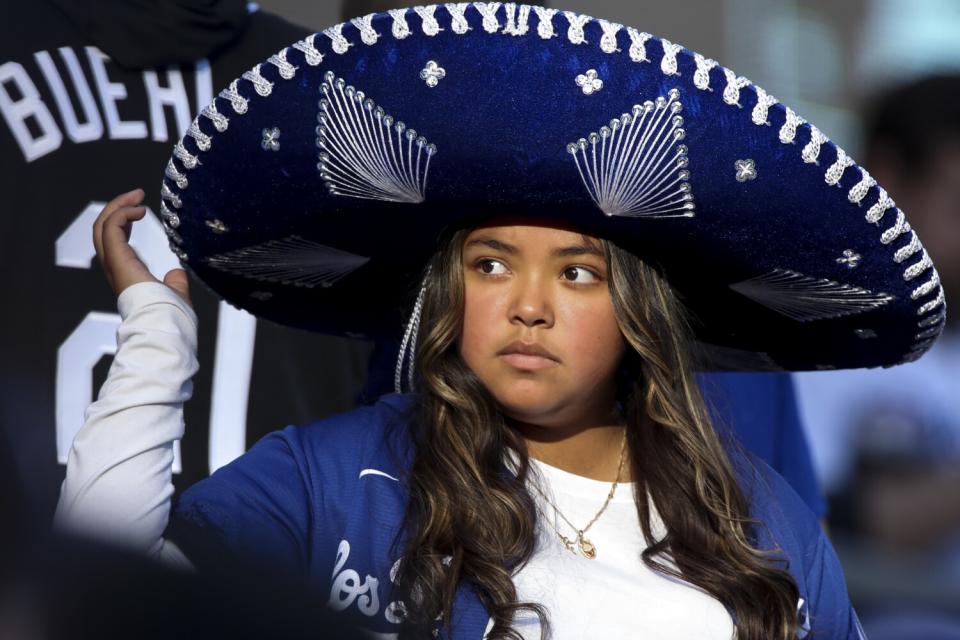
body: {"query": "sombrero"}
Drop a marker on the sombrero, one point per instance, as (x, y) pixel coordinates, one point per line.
(313, 190)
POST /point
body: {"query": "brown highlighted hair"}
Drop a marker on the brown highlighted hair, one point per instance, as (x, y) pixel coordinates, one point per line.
(470, 521)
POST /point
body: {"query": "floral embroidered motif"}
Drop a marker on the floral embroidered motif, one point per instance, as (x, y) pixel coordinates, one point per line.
(270, 140)
(746, 170)
(216, 225)
(432, 74)
(850, 258)
(589, 82)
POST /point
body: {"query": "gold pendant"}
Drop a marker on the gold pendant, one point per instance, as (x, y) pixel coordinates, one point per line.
(587, 550)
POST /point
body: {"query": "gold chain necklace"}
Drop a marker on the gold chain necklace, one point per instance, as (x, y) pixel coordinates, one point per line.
(580, 542)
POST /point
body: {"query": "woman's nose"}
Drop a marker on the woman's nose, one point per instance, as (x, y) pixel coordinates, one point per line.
(531, 303)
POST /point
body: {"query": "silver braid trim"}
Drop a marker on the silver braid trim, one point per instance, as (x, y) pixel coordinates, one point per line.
(408, 346)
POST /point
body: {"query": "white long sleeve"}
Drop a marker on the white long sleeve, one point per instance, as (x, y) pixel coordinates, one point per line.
(118, 485)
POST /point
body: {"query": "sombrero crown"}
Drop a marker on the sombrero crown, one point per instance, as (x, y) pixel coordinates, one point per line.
(313, 189)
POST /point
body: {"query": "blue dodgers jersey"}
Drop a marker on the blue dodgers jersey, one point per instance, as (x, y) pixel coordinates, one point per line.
(326, 502)
(760, 410)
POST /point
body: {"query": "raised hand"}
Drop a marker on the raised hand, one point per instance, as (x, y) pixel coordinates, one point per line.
(121, 264)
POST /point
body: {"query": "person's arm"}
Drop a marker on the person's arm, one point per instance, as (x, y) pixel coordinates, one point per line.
(118, 482)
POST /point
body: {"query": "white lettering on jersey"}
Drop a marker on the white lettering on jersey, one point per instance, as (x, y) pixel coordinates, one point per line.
(110, 94)
(29, 105)
(173, 95)
(232, 365)
(347, 587)
(92, 126)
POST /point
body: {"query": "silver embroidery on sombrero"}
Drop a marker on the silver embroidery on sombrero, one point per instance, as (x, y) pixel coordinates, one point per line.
(364, 153)
(172, 218)
(180, 179)
(292, 261)
(635, 167)
(806, 298)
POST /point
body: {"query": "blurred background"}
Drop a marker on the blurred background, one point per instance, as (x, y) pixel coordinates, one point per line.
(93, 96)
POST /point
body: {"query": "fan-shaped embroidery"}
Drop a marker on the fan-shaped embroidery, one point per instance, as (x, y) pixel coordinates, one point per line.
(364, 152)
(293, 261)
(806, 298)
(636, 167)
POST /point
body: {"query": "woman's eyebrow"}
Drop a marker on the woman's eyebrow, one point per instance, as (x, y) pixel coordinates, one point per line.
(494, 244)
(578, 250)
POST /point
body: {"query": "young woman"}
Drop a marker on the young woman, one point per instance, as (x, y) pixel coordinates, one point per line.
(554, 471)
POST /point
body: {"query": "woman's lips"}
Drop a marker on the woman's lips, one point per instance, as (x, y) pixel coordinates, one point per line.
(528, 356)
(528, 361)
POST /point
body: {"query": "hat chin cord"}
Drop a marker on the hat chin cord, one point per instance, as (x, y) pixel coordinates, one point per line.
(408, 346)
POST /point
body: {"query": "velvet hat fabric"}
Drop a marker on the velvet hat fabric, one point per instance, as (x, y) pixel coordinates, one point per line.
(313, 189)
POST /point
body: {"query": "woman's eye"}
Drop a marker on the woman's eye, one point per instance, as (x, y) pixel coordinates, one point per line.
(491, 267)
(579, 275)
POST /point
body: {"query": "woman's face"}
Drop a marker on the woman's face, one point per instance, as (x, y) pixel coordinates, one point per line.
(539, 328)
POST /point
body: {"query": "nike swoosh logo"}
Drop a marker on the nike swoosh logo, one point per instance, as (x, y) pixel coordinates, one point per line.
(376, 472)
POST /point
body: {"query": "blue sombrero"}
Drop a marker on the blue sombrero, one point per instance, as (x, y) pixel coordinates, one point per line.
(312, 191)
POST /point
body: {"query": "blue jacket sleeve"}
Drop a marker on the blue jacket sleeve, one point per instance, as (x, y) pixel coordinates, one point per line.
(786, 523)
(257, 508)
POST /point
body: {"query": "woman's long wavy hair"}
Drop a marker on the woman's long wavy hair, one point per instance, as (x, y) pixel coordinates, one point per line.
(471, 521)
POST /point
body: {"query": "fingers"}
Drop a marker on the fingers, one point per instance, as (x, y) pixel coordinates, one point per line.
(130, 198)
(115, 230)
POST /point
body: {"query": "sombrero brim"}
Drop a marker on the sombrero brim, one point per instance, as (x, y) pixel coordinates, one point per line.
(299, 195)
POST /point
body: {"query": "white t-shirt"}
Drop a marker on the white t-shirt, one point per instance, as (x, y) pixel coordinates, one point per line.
(614, 595)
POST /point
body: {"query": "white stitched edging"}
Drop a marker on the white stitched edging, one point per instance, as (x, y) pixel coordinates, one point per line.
(788, 132)
(545, 22)
(927, 286)
(489, 12)
(220, 121)
(458, 18)
(261, 85)
(368, 34)
(575, 31)
(731, 93)
(170, 196)
(309, 51)
(701, 77)
(180, 152)
(811, 151)
(860, 190)
(608, 42)
(232, 95)
(180, 179)
(279, 60)
(202, 139)
(762, 108)
(339, 43)
(638, 44)
(908, 249)
(516, 23)
(428, 22)
(668, 64)
(835, 171)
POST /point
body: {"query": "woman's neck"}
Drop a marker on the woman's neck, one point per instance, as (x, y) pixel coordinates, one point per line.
(593, 452)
